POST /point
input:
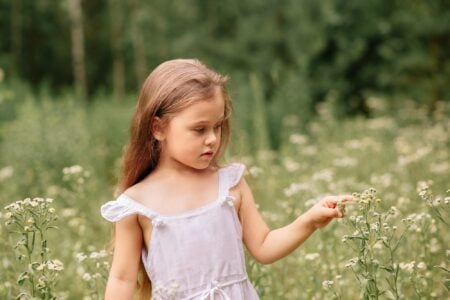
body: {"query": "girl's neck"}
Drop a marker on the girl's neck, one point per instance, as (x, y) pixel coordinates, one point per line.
(181, 171)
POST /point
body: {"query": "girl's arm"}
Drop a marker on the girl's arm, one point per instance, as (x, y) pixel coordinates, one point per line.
(127, 251)
(266, 245)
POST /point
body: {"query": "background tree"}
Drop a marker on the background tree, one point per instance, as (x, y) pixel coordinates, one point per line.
(138, 41)
(116, 11)
(79, 69)
(302, 52)
(16, 39)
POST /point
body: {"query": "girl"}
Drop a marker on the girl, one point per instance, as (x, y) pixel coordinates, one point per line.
(182, 216)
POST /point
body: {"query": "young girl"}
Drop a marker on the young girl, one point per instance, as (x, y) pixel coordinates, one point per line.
(182, 216)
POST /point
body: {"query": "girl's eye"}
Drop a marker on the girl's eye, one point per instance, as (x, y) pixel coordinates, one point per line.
(201, 130)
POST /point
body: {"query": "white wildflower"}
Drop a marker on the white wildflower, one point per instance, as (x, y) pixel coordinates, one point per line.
(351, 262)
(6, 172)
(345, 162)
(290, 164)
(324, 175)
(86, 277)
(298, 139)
(255, 171)
(312, 256)
(327, 284)
(55, 265)
(408, 267)
(41, 283)
(72, 170)
(421, 266)
(295, 188)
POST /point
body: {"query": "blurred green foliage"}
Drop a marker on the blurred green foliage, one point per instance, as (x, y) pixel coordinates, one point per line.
(50, 135)
(303, 52)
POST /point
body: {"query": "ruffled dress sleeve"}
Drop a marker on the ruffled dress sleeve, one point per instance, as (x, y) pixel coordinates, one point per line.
(122, 207)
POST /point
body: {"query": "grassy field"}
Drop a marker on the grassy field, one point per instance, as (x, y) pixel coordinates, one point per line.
(64, 157)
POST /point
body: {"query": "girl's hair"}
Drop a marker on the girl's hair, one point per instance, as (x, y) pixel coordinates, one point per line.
(170, 88)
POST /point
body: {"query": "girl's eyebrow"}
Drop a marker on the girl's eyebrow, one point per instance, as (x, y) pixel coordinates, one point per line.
(206, 121)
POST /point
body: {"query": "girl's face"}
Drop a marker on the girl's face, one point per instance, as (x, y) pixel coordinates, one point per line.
(193, 133)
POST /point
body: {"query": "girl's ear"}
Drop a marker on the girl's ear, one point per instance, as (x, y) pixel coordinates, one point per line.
(157, 129)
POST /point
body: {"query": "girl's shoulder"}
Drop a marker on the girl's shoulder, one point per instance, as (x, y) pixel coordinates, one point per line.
(138, 191)
(129, 202)
(231, 173)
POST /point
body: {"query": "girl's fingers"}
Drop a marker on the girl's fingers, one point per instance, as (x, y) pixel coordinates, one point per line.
(345, 198)
(336, 199)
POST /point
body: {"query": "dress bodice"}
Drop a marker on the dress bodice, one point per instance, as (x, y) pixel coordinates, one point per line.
(197, 254)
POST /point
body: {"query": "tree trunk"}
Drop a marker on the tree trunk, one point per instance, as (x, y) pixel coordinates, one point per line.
(137, 38)
(116, 23)
(16, 35)
(78, 57)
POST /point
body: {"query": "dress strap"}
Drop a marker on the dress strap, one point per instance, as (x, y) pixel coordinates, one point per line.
(229, 177)
(124, 206)
(233, 174)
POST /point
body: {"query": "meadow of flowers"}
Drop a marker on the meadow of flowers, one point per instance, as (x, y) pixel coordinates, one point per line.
(392, 244)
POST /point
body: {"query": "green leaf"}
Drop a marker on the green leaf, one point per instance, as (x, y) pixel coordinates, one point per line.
(387, 268)
(443, 268)
(447, 284)
(22, 277)
(22, 296)
(34, 265)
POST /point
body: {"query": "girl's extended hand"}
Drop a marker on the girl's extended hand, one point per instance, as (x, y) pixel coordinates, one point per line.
(326, 209)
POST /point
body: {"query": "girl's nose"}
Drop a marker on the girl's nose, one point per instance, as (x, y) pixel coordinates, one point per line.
(211, 138)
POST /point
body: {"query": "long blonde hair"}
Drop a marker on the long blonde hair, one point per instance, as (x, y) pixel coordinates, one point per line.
(170, 87)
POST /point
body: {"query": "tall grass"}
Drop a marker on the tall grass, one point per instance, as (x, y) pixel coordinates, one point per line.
(68, 151)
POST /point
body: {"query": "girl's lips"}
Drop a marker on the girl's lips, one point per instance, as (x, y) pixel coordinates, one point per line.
(207, 153)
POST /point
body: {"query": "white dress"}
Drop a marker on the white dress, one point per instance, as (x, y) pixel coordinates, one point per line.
(196, 254)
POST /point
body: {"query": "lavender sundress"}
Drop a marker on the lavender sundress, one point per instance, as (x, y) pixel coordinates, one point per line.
(196, 254)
